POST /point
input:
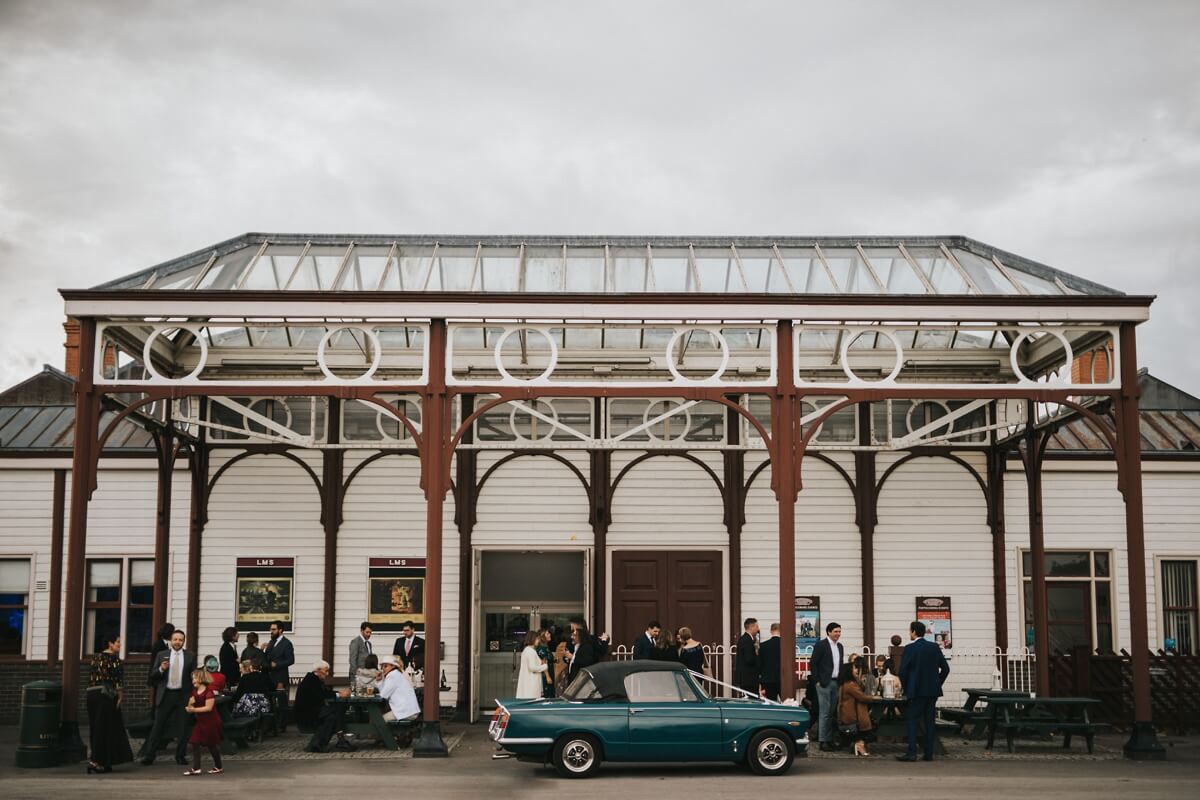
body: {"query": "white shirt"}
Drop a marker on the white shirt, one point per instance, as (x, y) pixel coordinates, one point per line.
(367, 642)
(836, 649)
(398, 691)
(175, 671)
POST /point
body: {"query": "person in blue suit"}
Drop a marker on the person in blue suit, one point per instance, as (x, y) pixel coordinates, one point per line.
(923, 670)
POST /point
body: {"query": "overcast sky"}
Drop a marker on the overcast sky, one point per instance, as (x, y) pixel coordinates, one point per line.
(133, 132)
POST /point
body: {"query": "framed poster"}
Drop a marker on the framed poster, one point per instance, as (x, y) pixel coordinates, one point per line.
(935, 613)
(396, 593)
(808, 621)
(264, 592)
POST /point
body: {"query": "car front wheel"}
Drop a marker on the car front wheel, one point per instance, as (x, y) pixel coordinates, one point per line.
(577, 755)
(770, 753)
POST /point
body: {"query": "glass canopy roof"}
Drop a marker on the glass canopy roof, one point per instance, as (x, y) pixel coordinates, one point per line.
(949, 265)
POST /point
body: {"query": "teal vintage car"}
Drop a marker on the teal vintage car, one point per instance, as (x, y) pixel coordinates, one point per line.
(647, 711)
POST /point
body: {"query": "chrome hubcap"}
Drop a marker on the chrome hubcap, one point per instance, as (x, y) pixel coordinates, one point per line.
(577, 755)
(772, 753)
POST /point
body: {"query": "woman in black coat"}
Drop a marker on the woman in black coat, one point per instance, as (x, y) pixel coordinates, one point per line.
(230, 663)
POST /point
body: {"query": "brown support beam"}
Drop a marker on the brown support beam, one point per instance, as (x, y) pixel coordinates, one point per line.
(784, 438)
(435, 478)
(600, 489)
(332, 502)
(165, 444)
(1142, 744)
(56, 565)
(866, 516)
(734, 480)
(995, 487)
(198, 518)
(83, 475)
(1037, 549)
(466, 507)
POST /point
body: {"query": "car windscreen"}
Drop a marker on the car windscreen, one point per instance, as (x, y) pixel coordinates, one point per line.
(583, 688)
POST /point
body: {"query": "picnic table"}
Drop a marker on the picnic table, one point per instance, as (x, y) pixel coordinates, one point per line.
(1065, 715)
(972, 713)
(887, 714)
(376, 725)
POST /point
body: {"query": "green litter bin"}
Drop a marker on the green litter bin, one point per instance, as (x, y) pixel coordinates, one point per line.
(41, 717)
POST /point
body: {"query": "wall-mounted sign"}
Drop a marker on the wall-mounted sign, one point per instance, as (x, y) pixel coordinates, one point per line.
(396, 593)
(264, 592)
(935, 613)
(808, 621)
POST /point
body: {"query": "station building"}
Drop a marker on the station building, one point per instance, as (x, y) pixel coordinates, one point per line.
(480, 435)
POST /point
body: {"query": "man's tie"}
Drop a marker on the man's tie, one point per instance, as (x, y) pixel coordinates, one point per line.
(368, 641)
(176, 677)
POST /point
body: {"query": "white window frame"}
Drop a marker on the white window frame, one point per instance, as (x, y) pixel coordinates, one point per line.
(1160, 608)
(1090, 578)
(126, 574)
(27, 634)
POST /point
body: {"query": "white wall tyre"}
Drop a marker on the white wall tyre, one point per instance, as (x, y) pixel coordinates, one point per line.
(770, 753)
(577, 755)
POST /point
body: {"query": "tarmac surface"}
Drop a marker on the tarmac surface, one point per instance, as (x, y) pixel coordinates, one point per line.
(1035, 770)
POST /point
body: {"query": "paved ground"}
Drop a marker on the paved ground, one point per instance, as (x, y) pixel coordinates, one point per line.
(471, 773)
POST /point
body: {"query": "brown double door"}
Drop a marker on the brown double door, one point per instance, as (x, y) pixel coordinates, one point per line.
(677, 587)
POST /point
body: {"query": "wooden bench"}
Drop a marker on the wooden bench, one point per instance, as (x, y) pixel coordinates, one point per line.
(404, 730)
(1065, 715)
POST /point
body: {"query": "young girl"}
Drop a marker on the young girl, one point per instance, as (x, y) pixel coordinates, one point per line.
(207, 732)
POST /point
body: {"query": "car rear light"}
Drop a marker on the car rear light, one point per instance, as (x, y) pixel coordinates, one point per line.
(499, 722)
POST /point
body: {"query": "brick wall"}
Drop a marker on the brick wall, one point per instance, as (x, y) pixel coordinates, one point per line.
(16, 674)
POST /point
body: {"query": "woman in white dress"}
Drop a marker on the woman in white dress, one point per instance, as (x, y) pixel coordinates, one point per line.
(529, 676)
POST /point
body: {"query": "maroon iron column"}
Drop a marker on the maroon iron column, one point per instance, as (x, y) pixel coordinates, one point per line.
(1142, 744)
(866, 501)
(56, 566)
(995, 487)
(83, 476)
(1037, 551)
(164, 444)
(435, 478)
(783, 473)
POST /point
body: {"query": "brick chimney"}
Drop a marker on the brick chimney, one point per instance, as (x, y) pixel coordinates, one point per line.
(1094, 366)
(71, 362)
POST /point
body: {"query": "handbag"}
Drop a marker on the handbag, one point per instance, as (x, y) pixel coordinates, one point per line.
(848, 728)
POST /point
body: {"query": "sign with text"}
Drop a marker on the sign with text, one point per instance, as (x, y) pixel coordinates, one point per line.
(396, 593)
(263, 592)
(808, 621)
(935, 613)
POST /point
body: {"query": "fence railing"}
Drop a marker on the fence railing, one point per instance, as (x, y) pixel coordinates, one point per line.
(969, 668)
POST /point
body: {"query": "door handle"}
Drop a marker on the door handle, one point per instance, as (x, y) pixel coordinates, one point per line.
(636, 710)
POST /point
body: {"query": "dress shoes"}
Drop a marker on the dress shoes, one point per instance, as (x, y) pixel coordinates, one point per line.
(906, 758)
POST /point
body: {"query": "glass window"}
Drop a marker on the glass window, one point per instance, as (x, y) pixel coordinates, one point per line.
(686, 693)
(499, 269)
(1079, 600)
(14, 605)
(847, 267)
(582, 688)
(365, 269)
(139, 606)
(544, 269)
(629, 270)
(987, 276)
(103, 604)
(652, 687)
(718, 271)
(894, 270)
(119, 601)
(672, 272)
(1179, 605)
(585, 270)
(938, 269)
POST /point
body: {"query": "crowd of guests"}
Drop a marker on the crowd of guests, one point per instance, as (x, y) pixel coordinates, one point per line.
(551, 659)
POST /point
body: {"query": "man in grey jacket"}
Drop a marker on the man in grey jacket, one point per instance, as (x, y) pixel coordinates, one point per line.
(171, 679)
(360, 648)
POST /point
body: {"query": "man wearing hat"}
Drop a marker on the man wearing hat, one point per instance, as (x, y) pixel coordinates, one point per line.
(397, 690)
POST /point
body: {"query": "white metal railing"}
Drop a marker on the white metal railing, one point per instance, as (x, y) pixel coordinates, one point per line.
(983, 667)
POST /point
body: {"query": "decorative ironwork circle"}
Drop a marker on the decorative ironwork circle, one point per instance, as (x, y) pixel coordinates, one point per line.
(1016, 347)
(499, 358)
(246, 421)
(852, 337)
(377, 353)
(917, 404)
(404, 404)
(674, 368)
(647, 416)
(524, 409)
(148, 362)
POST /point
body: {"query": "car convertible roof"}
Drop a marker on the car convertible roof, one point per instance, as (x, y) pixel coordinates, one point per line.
(609, 676)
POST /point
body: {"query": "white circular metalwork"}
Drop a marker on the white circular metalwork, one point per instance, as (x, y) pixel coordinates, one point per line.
(852, 336)
(674, 368)
(949, 427)
(1016, 347)
(246, 421)
(498, 354)
(402, 408)
(148, 362)
(376, 356)
(647, 416)
(517, 409)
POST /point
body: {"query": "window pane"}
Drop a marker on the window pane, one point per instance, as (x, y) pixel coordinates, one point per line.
(987, 276)
(12, 629)
(938, 269)
(1066, 602)
(104, 581)
(629, 270)
(102, 623)
(585, 270)
(652, 687)
(1067, 565)
(1101, 565)
(141, 570)
(543, 269)
(138, 630)
(14, 575)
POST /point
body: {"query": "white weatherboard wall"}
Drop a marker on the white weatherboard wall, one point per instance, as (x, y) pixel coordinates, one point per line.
(26, 510)
(384, 517)
(828, 552)
(264, 505)
(532, 501)
(1171, 507)
(932, 538)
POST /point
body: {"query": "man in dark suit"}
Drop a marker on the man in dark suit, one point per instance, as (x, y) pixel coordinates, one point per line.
(410, 648)
(923, 670)
(643, 646)
(280, 656)
(171, 679)
(585, 648)
(825, 669)
(769, 655)
(747, 666)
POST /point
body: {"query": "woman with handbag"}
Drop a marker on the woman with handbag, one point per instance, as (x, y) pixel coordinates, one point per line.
(106, 725)
(854, 708)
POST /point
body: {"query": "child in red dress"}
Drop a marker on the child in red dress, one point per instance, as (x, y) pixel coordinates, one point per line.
(207, 731)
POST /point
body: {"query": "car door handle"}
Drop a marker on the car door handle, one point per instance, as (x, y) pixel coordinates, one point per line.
(636, 710)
